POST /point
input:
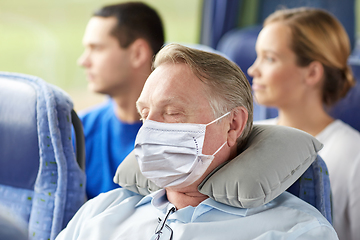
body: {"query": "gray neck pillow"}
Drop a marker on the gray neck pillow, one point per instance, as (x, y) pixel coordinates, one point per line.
(273, 158)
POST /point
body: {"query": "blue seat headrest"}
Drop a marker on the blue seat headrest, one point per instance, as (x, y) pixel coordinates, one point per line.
(19, 151)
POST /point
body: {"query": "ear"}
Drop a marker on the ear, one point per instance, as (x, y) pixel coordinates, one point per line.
(239, 117)
(140, 53)
(314, 74)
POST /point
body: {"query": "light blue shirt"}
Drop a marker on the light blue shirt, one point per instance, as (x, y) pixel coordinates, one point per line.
(121, 214)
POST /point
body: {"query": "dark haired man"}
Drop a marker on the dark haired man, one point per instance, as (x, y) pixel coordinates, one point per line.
(120, 41)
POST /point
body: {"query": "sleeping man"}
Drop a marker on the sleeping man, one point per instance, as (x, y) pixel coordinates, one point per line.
(197, 110)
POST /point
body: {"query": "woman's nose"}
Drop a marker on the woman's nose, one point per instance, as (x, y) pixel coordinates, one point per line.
(252, 70)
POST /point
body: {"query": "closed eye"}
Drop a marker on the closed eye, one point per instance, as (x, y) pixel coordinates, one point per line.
(174, 117)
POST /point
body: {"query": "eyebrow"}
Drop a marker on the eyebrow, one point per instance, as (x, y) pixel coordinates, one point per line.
(275, 53)
(94, 44)
(269, 51)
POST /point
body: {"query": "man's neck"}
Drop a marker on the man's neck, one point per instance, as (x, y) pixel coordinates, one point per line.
(184, 199)
(125, 101)
(125, 110)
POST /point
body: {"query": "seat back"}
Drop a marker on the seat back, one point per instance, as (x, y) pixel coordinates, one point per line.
(218, 17)
(343, 10)
(314, 187)
(11, 225)
(40, 180)
(239, 46)
(221, 16)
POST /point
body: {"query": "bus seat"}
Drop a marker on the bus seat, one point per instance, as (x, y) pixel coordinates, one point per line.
(314, 188)
(348, 108)
(343, 10)
(40, 179)
(221, 16)
(217, 18)
(239, 46)
(12, 226)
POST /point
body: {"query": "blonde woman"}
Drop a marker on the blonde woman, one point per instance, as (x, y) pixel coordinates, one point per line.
(301, 69)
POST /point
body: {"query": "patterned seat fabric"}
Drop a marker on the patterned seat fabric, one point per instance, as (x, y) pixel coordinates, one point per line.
(40, 180)
(314, 187)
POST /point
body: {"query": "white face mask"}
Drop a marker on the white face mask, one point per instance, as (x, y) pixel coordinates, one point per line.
(170, 154)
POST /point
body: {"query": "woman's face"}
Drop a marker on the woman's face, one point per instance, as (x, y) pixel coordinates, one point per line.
(277, 80)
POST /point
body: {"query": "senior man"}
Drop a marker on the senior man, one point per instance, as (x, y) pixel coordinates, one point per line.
(192, 98)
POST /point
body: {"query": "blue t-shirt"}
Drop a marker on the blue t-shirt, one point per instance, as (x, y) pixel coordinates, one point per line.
(107, 141)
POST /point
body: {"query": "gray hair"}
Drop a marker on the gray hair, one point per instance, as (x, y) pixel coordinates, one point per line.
(228, 87)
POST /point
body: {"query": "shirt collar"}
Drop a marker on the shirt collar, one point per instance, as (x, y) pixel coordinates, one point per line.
(158, 200)
(225, 208)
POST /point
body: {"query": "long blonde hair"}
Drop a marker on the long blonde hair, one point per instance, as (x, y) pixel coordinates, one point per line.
(318, 36)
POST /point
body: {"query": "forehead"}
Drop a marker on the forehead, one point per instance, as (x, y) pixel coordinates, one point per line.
(174, 84)
(274, 36)
(98, 29)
